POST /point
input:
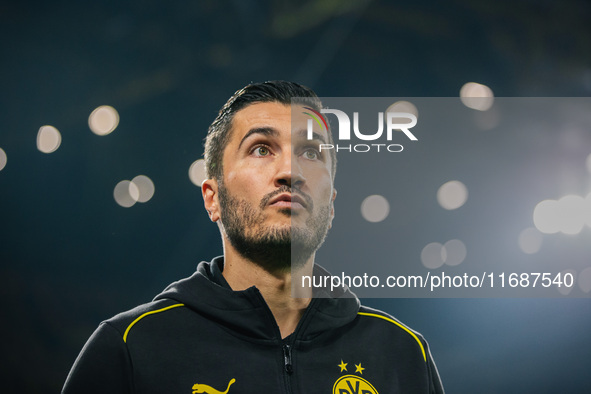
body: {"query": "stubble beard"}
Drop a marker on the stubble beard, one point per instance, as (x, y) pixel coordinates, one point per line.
(274, 248)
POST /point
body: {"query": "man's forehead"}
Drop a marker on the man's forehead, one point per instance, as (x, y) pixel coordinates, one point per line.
(275, 115)
(257, 114)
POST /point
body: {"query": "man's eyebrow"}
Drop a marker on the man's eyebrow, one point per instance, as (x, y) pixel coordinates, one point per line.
(269, 131)
(315, 136)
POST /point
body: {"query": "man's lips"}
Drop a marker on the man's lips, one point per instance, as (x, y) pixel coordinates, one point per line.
(288, 200)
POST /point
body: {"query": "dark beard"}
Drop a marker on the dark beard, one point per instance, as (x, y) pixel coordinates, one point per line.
(274, 249)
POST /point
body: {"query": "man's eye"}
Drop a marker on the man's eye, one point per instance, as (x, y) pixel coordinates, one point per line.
(261, 151)
(311, 154)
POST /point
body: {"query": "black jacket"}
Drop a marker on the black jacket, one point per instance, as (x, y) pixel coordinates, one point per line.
(199, 336)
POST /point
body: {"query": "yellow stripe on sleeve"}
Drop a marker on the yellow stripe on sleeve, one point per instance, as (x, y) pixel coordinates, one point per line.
(399, 325)
(146, 314)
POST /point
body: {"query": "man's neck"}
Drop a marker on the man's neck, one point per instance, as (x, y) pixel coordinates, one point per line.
(275, 288)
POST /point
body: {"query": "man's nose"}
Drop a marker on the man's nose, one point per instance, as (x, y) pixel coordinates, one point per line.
(289, 172)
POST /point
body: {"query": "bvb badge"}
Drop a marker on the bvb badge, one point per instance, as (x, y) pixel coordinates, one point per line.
(352, 384)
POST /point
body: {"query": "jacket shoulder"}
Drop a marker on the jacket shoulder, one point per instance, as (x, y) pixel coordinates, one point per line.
(395, 326)
(412, 340)
(124, 322)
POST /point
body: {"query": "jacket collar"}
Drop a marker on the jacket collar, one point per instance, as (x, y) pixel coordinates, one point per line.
(246, 312)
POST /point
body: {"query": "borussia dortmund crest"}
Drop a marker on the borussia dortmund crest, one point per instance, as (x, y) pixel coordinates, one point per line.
(352, 384)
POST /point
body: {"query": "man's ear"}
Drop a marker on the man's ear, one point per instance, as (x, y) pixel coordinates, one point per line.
(334, 196)
(209, 191)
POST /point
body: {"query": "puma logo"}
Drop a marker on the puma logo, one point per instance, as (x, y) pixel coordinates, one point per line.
(203, 388)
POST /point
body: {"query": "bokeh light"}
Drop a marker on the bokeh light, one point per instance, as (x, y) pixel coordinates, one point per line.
(476, 96)
(3, 159)
(49, 139)
(570, 214)
(197, 173)
(546, 216)
(567, 215)
(530, 240)
(433, 255)
(375, 208)
(126, 193)
(404, 106)
(454, 252)
(145, 187)
(452, 195)
(103, 120)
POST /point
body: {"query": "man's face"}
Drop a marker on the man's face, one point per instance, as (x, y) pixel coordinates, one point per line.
(276, 195)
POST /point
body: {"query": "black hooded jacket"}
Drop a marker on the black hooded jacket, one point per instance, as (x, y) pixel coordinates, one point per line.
(199, 336)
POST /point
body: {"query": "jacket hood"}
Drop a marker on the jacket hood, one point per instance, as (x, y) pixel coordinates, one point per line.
(246, 312)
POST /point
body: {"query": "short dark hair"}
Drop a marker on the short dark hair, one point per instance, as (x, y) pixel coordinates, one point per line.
(282, 92)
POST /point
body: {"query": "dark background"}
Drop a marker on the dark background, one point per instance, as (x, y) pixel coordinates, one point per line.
(71, 256)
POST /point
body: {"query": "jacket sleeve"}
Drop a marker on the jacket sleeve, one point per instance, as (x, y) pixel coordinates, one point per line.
(103, 365)
(435, 385)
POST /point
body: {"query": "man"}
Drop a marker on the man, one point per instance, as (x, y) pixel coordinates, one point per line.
(233, 326)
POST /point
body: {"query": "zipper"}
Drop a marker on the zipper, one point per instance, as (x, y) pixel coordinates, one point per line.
(288, 366)
(286, 348)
